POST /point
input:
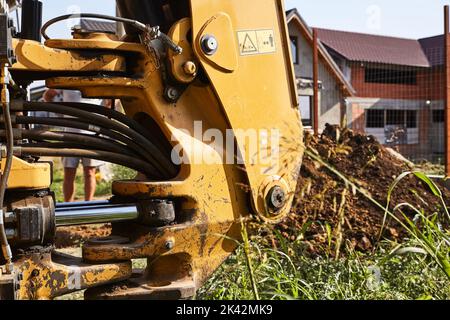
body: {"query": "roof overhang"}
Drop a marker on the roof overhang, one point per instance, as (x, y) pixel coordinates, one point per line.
(294, 17)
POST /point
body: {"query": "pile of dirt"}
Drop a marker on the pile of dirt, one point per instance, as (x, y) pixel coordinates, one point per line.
(71, 237)
(326, 208)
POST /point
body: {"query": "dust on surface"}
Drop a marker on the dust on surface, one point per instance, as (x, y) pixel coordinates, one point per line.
(72, 237)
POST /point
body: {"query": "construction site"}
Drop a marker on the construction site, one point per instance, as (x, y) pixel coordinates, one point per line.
(205, 177)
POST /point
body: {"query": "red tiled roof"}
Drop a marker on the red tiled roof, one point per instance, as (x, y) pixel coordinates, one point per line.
(373, 48)
(434, 49)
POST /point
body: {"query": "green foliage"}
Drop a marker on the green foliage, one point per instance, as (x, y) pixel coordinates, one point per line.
(103, 189)
(293, 275)
(417, 269)
(122, 173)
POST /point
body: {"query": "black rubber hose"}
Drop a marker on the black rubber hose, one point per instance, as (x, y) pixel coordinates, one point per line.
(85, 140)
(110, 113)
(116, 115)
(6, 249)
(76, 124)
(138, 25)
(75, 145)
(111, 157)
(161, 162)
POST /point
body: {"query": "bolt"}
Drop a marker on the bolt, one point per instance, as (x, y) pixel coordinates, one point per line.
(209, 45)
(190, 68)
(276, 199)
(169, 245)
(172, 94)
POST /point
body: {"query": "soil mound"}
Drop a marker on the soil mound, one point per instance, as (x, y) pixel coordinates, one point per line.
(325, 208)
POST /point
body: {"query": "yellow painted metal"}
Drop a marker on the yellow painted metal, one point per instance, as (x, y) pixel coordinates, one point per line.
(26, 175)
(179, 34)
(261, 92)
(33, 56)
(45, 276)
(94, 44)
(220, 27)
(246, 92)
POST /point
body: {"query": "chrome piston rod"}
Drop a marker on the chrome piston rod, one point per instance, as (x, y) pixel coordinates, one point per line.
(72, 214)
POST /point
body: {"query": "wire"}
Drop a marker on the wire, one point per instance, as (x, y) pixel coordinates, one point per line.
(4, 182)
(76, 124)
(158, 159)
(100, 155)
(84, 140)
(138, 25)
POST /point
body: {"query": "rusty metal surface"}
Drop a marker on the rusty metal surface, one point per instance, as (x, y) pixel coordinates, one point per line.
(43, 275)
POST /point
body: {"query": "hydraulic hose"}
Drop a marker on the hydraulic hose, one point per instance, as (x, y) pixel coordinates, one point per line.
(106, 156)
(6, 249)
(75, 145)
(116, 115)
(110, 113)
(81, 139)
(76, 124)
(160, 161)
(138, 25)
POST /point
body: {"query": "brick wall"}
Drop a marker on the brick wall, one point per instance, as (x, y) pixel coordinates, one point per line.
(429, 86)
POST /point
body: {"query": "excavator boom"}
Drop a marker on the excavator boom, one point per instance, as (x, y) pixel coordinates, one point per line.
(210, 123)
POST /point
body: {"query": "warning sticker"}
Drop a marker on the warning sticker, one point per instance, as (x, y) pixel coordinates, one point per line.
(256, 42)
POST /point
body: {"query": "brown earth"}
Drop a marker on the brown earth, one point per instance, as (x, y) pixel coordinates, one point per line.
(324, 206)
(322, 199)
(69, 237)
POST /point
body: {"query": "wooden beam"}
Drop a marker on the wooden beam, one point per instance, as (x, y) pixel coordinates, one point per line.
(447, 89)
(316, 82)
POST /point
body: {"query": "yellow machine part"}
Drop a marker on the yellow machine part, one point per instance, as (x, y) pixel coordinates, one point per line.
(251, 87)
(26, 175)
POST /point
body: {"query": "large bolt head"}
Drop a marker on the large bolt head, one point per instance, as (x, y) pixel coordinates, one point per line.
(276, 199)
(190, 68)
(172, 94)
(209, 45)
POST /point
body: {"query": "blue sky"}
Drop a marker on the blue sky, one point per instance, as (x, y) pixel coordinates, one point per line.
(403, 18)
(53, 8)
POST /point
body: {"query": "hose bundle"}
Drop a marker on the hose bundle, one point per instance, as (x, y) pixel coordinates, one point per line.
(116, 138)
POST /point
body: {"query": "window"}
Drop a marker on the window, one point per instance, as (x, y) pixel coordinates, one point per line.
(387, 76)
(411, 119)
(294, 50)
(438, 116)
(375, 118)
(395, 117)
(306, 110)
(393, 127)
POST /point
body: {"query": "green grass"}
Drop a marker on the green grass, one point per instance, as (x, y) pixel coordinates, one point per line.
(414, 269)
(418, 268)
(290, 274)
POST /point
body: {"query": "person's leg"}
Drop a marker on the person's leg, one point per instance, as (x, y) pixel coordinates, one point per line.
(90, 183)
(70, 172)
(69, 184)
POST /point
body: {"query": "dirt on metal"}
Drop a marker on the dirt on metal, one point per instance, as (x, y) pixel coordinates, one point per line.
(324, 206)
(72, 237)
(327, 212)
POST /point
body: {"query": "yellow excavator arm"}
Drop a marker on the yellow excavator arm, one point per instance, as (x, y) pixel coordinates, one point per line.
(210, 123)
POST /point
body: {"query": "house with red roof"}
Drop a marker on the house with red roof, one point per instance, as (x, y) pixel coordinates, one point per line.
(391, 88)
